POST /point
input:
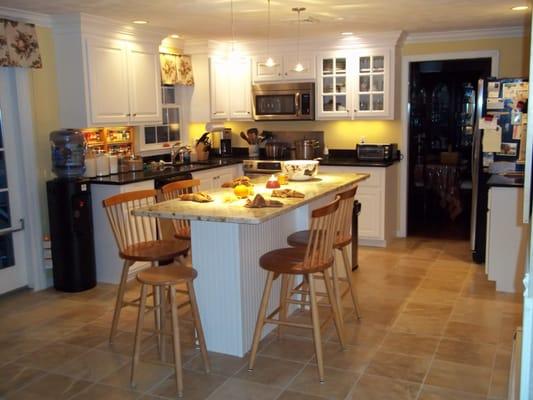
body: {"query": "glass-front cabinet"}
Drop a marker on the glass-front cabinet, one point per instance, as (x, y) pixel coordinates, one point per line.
(354, 84)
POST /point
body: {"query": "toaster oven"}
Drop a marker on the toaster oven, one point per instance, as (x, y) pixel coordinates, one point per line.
(376, 152)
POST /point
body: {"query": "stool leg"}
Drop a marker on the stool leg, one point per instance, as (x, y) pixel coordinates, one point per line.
(303, 297)
(198, 325)
(285, 282)
(176, 340)
(119, 300)
(138, 333)
(157, 319)
(162, 322)
(334, 308)
(348, 269)
(316, 327)
(336, 289)
(261, 314)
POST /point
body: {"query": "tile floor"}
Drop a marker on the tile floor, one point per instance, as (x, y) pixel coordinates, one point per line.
(433, 327)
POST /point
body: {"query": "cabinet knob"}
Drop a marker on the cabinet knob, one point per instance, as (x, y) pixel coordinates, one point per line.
(127, 115)
(279, 73)
(135, 114)
(354, 110)
(286, 73)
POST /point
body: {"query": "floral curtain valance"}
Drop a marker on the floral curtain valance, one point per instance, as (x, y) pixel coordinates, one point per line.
(176, 69)
(18, 45)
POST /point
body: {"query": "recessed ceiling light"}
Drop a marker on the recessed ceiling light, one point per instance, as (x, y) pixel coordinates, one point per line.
(140, 22)
(175, 36)
(520, 8)
(347, 33)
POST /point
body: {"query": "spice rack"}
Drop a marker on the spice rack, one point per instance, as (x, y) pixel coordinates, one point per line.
(113, 139)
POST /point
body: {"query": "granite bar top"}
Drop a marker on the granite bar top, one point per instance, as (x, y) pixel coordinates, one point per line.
(505, 181)
(220, 210)
(169, 171)
(354, 162)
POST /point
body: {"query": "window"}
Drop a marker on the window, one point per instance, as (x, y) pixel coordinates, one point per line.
(156, 136)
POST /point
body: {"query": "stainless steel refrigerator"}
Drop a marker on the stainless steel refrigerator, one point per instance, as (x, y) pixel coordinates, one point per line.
(501, 117)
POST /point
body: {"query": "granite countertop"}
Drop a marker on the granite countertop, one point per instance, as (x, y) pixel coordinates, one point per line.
(169, 171)
(234, 212)
(505, 181)
(354, 162)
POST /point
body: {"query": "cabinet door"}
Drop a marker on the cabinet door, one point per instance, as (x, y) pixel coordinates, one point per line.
(370, 224)
(263, 73)
(219, 88)
(307, 61)
(145, 82)
(240, 85)
(107, 81)
(372, 84)
(333, 89)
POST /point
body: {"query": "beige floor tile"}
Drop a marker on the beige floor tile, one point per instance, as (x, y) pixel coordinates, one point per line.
(371, 387)
(438, 284)
(221, 364)
(410, 344)
(337, 383)
(98, 391)
(436, 393)
(290, 395)
(270, 371)
(15, 346)
(476, 354)
(236, 389)
(290, 348)
(52, 356)
(13, 377)
(441, 311)
(471, 332)
(196, 386)
(420, 325)
(51, 387)
(147, 376)
(500, 375)
(433, 296)
(399, 366)
(352, 358)
(93, 365)
(460, 377)
(87, 336)
(362, 333)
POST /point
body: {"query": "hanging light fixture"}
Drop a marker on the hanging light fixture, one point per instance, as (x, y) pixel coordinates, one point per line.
(298, 67)
(269, 62)
(232, 29)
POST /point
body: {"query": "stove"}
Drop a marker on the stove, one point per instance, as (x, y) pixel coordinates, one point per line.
(261, 166)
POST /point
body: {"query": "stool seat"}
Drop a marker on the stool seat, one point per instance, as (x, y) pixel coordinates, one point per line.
(166, 275)
(300, 238)
(290, 260)
(154, 250)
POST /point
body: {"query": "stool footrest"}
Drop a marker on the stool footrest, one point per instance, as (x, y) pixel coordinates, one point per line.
(287, 323)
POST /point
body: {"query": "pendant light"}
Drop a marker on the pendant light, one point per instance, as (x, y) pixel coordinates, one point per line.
(298, 67)
(232, 29)
(269, 62)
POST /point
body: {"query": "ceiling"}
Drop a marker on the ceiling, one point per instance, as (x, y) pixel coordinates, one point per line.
(210, 19)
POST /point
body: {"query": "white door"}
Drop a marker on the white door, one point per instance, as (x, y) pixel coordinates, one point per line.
(108, 81)
(145, 83)
(13, 261)
(307, 61)
(219, 88)
(264, 73)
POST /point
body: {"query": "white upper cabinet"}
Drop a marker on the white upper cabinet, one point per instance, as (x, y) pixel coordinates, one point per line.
(230, 88)
(283, 68)
(355, 84)
(106, 77)
(144, 83)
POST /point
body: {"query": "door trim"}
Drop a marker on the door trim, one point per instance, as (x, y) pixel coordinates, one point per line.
(33, 221)
(494, 55)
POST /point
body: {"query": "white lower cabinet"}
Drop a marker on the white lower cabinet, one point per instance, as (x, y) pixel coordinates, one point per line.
(378, 196)
(214, 178)
(507, 239)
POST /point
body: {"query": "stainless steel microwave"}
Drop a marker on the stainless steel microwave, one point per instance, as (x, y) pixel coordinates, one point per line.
(284, 101)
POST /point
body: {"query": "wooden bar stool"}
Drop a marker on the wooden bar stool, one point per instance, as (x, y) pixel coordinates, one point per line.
(182, 228)
(165, 278)
(136, 239)
(342, 240)
(316, 258)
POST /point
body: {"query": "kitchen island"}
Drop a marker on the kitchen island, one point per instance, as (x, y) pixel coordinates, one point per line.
(227, 241)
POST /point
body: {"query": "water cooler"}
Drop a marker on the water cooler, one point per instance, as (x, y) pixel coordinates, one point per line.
(71, 231)
(70, 215)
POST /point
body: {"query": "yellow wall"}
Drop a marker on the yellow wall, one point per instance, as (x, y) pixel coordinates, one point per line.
(45, 112)
(514, 62)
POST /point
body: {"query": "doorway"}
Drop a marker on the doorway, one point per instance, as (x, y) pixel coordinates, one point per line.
(442, 98)
(13, 254)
